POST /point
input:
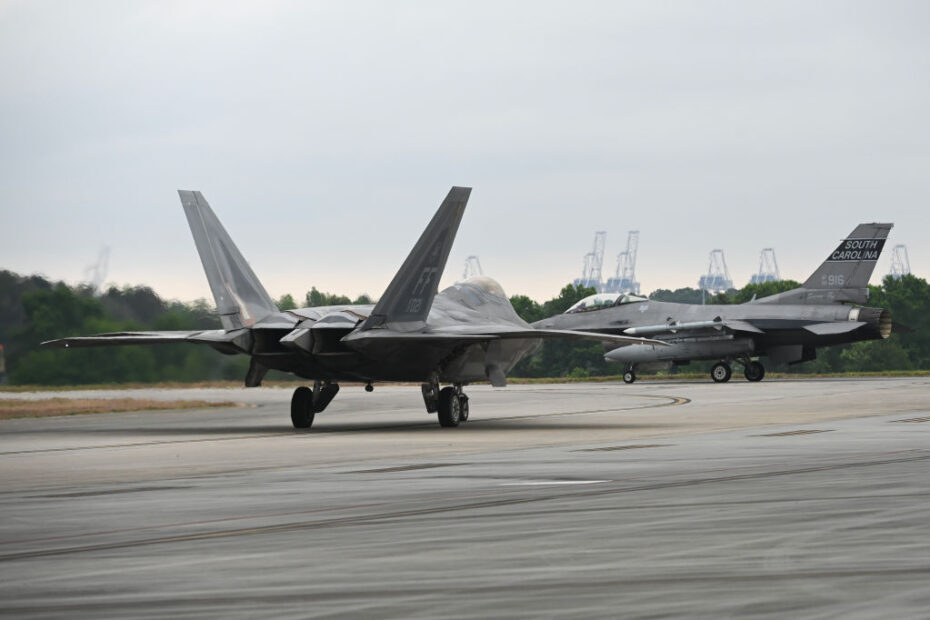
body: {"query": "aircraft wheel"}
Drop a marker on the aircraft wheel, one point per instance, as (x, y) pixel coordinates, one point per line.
(450, 407)
(463, 408)
(301, 409)
(754, 371)
(721, 372)
(629, 376)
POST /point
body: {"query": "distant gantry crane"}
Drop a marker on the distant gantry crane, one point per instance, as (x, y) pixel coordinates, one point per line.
(472, 268)
(717, 279)
(96, 274)
(768, 268)
(624, 280)
(900, 264)
(593, 261)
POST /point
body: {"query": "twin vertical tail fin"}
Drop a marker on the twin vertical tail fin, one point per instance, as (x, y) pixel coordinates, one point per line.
(241, 300)
(844, 276)
(406, 303)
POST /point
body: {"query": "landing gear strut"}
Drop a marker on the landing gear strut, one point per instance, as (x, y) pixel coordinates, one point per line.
(431, 396)
(721, 372)
(450, 403)
(306, 403)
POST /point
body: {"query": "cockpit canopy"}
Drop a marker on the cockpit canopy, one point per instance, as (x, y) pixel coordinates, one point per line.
(488, 285)
(603, 300)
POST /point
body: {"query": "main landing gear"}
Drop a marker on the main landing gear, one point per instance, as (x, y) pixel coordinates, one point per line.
(450, 403)
(306, 403)
(752, 370)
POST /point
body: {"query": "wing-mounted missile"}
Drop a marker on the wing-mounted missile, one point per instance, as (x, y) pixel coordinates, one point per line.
(675, 327)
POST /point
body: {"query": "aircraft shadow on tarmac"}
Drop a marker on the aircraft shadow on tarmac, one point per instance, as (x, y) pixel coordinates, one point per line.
(427, 425)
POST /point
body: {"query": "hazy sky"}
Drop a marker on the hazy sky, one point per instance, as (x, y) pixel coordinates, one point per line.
(325, 134)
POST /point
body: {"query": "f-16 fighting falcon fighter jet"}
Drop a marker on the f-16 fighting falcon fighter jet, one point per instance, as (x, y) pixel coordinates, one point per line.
(786, 327)
(468, 332)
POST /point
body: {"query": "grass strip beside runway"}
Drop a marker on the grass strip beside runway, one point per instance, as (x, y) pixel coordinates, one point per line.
(72, 406)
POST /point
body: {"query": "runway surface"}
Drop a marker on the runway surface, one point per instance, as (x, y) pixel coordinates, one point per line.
(778, 499)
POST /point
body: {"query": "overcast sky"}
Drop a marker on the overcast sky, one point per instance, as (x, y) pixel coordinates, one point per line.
(325, 134)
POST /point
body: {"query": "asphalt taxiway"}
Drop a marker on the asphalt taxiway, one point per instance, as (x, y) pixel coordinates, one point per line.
(783, 498)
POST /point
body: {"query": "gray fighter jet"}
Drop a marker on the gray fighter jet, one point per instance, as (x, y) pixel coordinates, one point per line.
(468, 332)
(786, 328)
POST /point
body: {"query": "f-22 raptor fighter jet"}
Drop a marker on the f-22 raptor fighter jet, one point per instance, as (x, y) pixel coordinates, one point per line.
(786, 327)
(468, 332)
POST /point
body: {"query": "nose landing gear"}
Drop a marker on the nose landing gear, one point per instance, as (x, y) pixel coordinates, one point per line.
(721, 372)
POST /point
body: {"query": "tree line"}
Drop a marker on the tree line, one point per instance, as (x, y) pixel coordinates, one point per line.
(34, 309)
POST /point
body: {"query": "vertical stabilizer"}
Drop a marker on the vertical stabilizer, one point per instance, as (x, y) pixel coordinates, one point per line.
(407, 301)
(844, 276)
(241, 300)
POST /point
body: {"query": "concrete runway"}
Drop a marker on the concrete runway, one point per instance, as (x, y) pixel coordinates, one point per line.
(778, 499)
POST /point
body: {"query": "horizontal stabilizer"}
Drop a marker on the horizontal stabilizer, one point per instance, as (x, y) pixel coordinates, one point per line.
(837, 327)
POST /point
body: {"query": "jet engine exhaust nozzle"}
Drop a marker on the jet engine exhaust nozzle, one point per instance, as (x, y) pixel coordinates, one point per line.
(878, 319)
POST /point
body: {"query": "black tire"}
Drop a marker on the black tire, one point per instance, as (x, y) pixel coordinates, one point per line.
(450, 408)
(301, 407)
(721, 372)
(754, 371)
(463, 408)
(629, 376)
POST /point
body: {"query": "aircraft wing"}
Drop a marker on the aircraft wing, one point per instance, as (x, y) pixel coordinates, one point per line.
(570, 334)
(742, 326)
(123, 338)
(494, 331)
(424, 337)
(479, 333)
